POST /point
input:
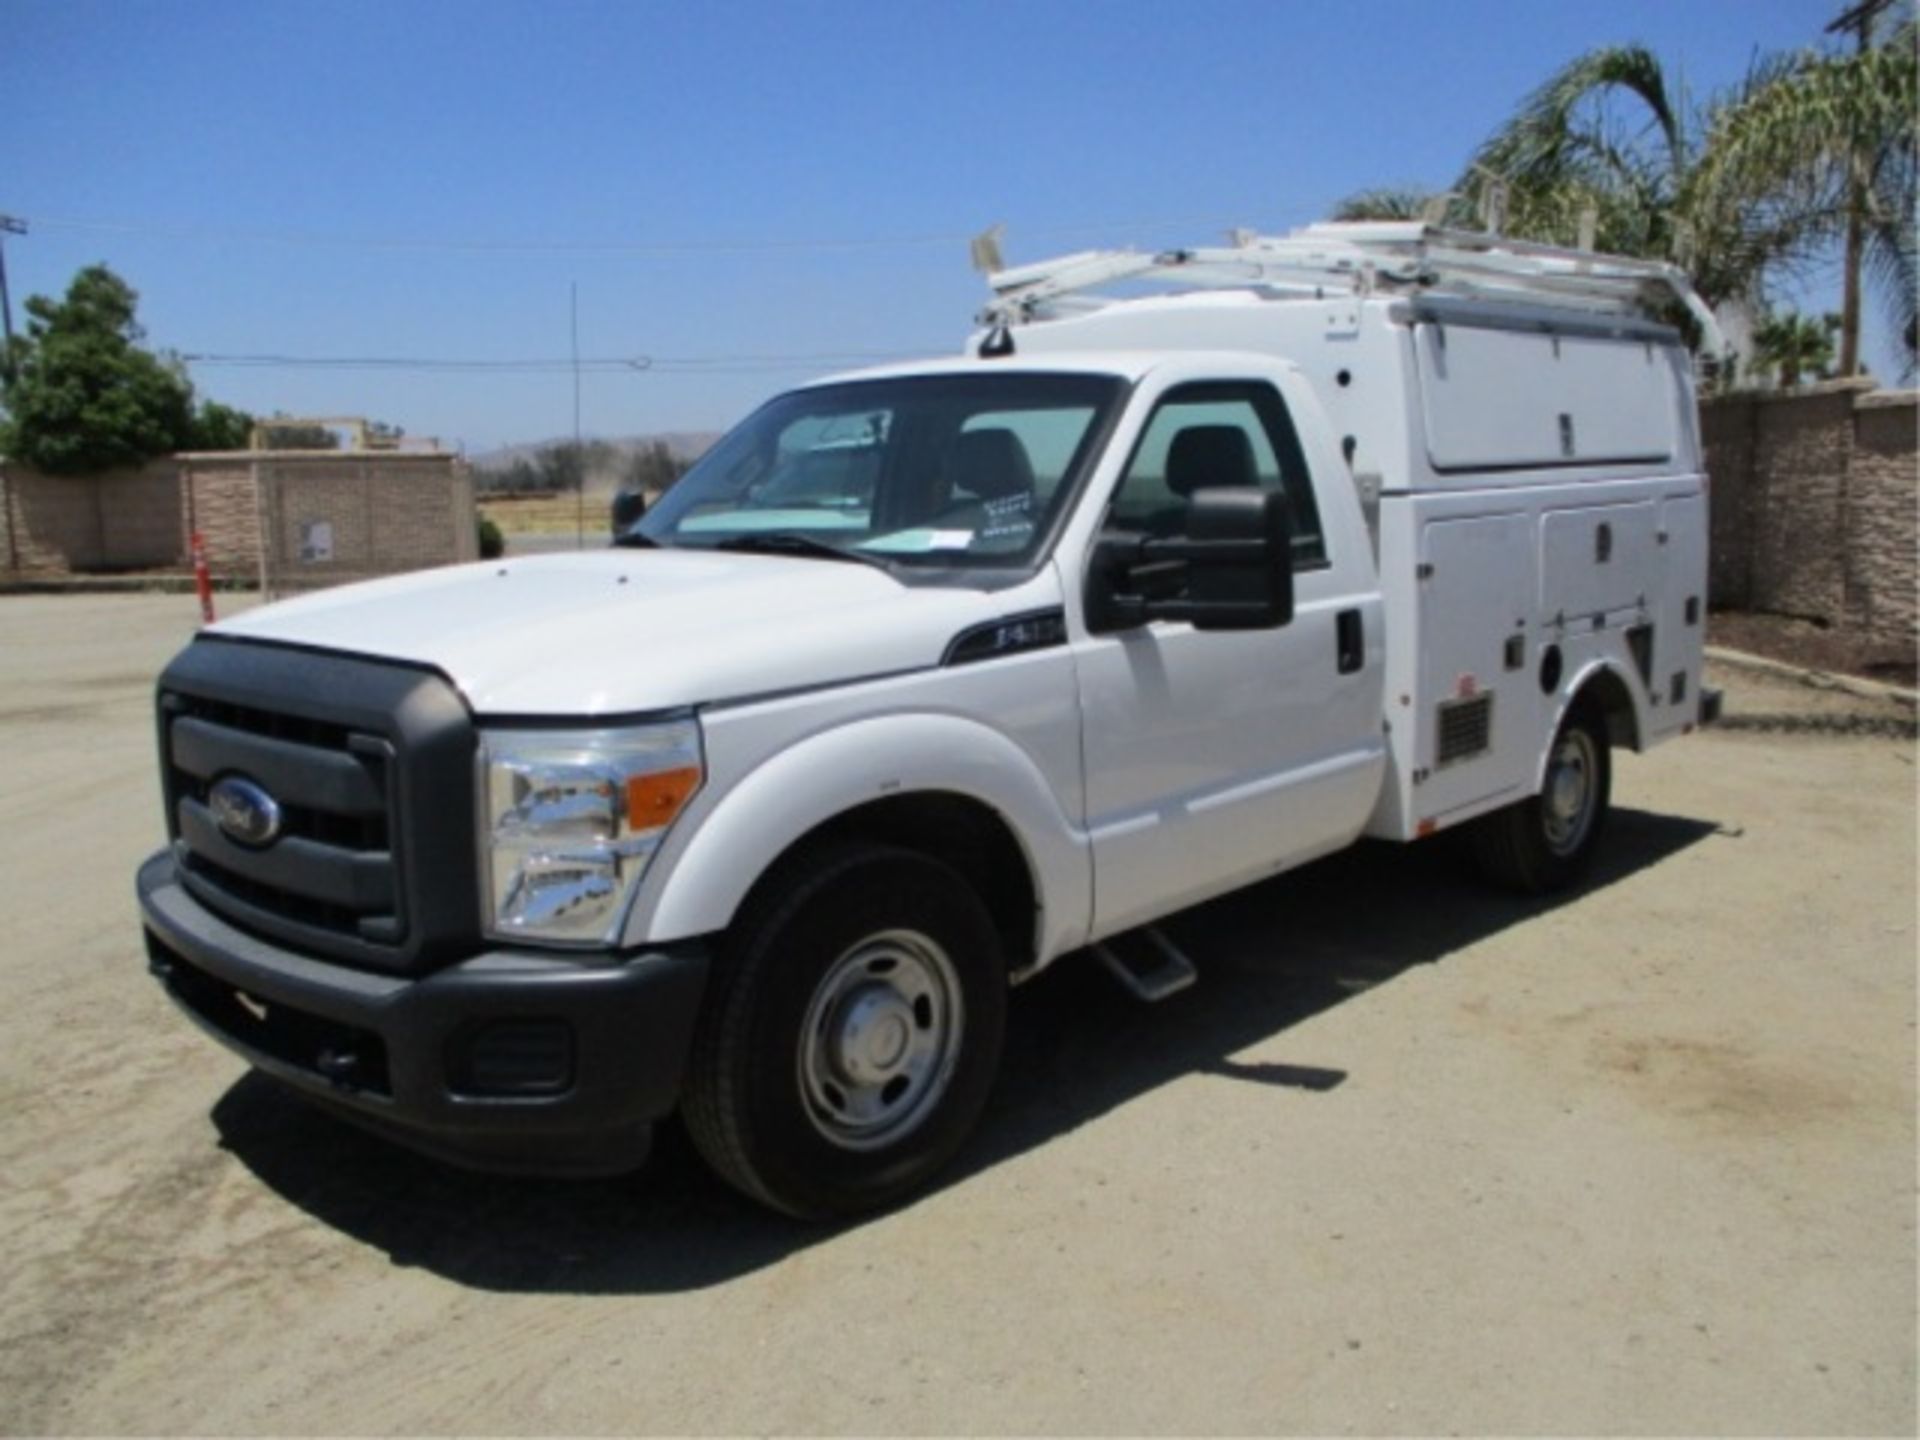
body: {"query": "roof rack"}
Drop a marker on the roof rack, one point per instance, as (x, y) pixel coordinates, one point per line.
(1360, 258)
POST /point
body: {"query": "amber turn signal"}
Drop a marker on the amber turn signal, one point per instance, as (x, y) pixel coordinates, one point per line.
(653, 800)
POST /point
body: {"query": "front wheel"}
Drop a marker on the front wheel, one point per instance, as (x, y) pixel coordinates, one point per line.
(1547, 841)
(852, 1034)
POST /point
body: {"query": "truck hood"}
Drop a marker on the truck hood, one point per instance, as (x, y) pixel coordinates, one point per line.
(616, 632)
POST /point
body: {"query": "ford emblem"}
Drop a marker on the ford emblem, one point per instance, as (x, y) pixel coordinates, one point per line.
(244, 811)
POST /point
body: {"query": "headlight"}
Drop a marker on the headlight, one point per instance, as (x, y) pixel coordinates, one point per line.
(569, 820)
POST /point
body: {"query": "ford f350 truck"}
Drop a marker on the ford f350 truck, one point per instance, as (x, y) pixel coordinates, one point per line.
(929, 676)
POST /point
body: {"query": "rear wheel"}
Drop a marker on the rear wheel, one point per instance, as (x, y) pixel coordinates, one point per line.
(852, 1034)
(1546, 841)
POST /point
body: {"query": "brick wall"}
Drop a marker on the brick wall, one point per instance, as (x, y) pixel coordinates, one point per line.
(140, 518)
(217, 498)
(52, 522)
(378, 514)
(327, 517)
(1884, 515)
(1814, 505)
(118, 520)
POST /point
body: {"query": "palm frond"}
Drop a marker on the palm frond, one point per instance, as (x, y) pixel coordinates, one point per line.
(1801, 129)
(1389, 202)
(1539, 141)
(1890, 264)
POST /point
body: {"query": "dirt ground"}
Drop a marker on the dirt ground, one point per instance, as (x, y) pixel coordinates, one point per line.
(1411, 1157)
(1813, 646)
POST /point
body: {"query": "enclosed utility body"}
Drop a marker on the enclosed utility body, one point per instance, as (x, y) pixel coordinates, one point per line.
(1525, 448)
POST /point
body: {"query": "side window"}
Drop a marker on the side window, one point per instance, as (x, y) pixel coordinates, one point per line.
(1210, 435)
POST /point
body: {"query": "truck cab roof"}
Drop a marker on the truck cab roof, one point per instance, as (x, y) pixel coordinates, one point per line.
(1128, 364)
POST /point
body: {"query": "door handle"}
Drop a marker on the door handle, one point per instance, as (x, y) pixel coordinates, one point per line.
(1350, 641)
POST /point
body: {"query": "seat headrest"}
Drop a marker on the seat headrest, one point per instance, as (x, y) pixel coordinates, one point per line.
(989, 464)
(1208, 455)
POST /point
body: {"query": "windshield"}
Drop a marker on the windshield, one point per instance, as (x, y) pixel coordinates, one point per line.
(955, 470)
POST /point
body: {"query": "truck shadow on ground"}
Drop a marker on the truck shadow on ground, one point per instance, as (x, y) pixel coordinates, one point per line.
(1077, 1048)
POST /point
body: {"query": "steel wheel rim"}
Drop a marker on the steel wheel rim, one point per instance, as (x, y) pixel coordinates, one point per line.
(880, 1040)
(1567, 800)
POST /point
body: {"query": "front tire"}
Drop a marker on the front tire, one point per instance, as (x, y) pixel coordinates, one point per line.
(1547, 841)
(852, 1034)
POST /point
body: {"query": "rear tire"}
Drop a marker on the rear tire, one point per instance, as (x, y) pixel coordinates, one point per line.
(851, 1034)
(1547, 841)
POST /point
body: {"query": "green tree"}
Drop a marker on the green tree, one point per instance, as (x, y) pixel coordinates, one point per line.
(284, 432)
(84, 394)
(1402, 202)
(1747, 189)
(1795, 346)
(220, 427)
(1828, 143)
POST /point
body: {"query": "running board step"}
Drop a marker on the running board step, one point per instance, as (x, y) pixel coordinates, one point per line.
(1147, 963)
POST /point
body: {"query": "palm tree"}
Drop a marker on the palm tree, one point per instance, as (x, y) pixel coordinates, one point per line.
(1569, 151)
(1795, 345)
(1827, 147)
(1750, 188)
(1400, 202)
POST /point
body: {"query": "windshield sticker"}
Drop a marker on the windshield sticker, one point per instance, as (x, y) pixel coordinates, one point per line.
(918, 542)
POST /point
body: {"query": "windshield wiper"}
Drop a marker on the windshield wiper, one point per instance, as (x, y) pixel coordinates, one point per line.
(792, 542)
(634, 540)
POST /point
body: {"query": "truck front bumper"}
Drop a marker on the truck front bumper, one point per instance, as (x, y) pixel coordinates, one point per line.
(510, 1060)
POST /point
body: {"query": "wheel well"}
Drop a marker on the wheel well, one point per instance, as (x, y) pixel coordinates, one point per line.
(960, 831)
(1606, 694)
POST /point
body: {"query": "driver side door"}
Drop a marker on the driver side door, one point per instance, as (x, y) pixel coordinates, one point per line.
(1214, 758)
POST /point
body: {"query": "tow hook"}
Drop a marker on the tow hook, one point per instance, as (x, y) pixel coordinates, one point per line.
(338, 1066)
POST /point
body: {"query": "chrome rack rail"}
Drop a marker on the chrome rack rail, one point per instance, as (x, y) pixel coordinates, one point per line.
(1358, 258)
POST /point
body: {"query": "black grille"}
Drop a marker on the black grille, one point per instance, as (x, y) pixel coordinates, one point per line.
(272, 724)
(1466, 728)
(332, 867)
(371, 766)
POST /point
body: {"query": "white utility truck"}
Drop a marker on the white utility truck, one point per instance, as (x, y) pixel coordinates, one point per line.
(928, 676)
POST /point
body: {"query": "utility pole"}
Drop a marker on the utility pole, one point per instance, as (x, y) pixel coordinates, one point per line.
(1858, 21)
(8, 226)
(579, 457)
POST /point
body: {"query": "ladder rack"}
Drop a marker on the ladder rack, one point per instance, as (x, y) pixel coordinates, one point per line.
(1359, 258)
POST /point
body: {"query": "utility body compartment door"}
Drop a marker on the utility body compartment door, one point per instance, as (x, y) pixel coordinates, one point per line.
(1478, 704)
(1215, 758)
(1680, 619)
(1496, 400)
(1599, 560)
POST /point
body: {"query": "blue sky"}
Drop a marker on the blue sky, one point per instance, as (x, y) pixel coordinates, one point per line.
(428, 179)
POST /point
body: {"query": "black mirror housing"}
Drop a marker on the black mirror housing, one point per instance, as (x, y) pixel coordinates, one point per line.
(628, 506)
(1240, 570)
(1236, 560)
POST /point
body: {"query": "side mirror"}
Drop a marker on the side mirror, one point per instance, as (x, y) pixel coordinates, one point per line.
(628, 506)
(1233, 569)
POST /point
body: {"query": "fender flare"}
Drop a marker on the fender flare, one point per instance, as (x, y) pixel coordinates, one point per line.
(705, 877)
(1569, 695)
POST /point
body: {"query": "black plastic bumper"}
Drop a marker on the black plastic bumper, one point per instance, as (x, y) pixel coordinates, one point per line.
(509, 1060)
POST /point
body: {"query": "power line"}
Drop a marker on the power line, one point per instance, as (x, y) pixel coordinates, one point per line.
(680, 248)
(537, 365)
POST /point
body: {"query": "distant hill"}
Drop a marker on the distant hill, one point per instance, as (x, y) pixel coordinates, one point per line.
(686, 444)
